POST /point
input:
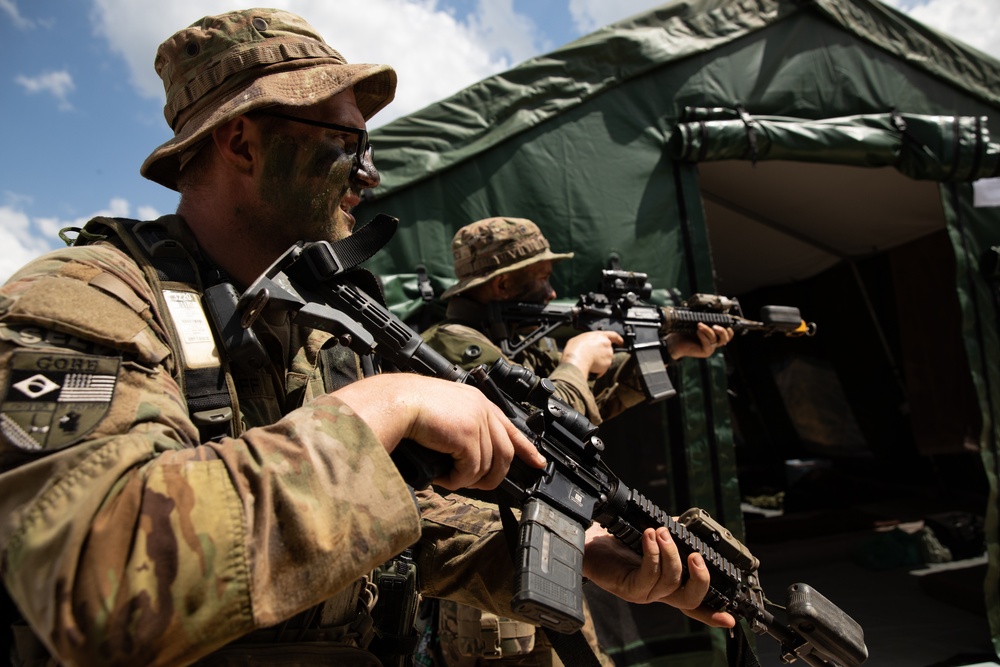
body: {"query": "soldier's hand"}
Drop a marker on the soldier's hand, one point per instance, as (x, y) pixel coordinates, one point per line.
(657, 576)
(591, 351)
(703, 343)
(448, 417)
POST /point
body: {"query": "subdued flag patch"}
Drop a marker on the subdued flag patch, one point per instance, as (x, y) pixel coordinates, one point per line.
(53, 399)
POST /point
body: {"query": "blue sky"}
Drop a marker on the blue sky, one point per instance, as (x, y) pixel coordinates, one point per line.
(81, 106)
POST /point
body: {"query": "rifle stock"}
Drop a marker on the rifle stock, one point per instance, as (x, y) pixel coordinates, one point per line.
(576, 487)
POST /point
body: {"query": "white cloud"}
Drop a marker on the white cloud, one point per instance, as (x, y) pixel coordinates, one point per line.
(974, 22)
(24, 237)
(58, 84)
(20, 22)
(509, 36)
(434, 54)
(147, 213)
(19, 241)
(589, 15)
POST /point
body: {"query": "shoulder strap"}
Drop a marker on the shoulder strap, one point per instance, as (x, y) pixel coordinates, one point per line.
(178, 282)
(181, 280)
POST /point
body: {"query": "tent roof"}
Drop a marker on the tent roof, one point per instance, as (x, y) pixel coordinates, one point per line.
(827, 213)
(491, 111)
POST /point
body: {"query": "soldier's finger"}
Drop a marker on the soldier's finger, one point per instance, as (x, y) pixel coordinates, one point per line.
(690, 595)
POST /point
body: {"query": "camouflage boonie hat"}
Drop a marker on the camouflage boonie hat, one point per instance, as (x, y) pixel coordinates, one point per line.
(490, 247)
(223, 66)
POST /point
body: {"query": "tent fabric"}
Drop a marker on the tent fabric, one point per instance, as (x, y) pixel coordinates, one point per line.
(974, 234)
(598, 142)
(489, 112)
(918, 45)
(938, 148)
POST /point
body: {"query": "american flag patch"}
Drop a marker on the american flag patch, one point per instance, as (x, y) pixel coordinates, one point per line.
(87, 388)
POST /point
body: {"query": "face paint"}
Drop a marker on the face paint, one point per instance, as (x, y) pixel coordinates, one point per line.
(531, 284)
(308, 182)
(535, 293)
(301, 189)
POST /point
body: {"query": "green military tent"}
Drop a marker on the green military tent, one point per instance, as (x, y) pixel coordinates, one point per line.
(833, 155)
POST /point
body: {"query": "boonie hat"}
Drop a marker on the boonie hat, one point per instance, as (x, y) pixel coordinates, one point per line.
(490, 247)
(223, 66)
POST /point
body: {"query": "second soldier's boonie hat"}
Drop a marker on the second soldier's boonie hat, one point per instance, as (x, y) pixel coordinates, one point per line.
(223, 66)
(487, 248)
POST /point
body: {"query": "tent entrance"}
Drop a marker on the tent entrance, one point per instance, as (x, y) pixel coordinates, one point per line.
(881, 398)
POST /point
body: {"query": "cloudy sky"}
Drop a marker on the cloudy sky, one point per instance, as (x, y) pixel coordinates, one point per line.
(81, 106)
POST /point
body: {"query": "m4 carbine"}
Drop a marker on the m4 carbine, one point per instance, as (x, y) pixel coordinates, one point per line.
(575, 489)
(620, 304)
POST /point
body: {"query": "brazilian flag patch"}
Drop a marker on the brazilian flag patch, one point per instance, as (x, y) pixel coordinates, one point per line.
(53, 399)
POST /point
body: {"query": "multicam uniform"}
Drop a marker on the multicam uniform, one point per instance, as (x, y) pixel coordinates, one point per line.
(126, 540)
(467, 636)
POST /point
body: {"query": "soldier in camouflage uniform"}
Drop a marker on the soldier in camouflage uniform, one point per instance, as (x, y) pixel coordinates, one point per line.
(144, 524)
(509, 259)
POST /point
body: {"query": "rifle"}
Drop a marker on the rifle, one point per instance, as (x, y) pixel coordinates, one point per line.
(620, 304)
(575, 489)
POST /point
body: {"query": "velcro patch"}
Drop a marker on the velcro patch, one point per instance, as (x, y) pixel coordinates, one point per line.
(28, 335)
(53, 399)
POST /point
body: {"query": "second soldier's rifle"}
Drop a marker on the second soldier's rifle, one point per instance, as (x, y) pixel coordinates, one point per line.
(575, 489)
(621, 304)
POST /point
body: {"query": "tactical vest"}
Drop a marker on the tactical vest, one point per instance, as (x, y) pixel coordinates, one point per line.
(213, 356)
(215, 359)
(164, 249)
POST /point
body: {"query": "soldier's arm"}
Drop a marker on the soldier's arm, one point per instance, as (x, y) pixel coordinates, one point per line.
(463, 554)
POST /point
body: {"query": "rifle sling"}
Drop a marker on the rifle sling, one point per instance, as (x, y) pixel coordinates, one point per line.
(739, 652)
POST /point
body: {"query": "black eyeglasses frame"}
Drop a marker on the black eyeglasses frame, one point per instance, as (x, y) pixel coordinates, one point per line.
(364, 146)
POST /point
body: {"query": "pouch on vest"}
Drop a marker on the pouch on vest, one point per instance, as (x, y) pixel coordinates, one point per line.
(477, 633)
(395, 612)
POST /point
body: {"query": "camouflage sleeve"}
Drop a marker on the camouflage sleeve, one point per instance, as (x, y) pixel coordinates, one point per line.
(461, 345)
(573, 389)
(620, 388)
(463, 553)
(125, 541)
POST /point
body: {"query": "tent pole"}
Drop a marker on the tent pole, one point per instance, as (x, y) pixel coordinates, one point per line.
(878, 326)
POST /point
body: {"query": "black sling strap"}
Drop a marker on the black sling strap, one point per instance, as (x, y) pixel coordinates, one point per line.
(208, 394)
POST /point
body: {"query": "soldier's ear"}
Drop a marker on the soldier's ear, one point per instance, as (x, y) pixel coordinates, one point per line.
(501, 286)
(234, 140)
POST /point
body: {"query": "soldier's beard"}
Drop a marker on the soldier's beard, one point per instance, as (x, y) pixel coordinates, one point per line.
(300, 193)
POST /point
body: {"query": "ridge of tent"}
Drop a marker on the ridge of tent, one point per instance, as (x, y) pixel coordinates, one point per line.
(416, 147)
